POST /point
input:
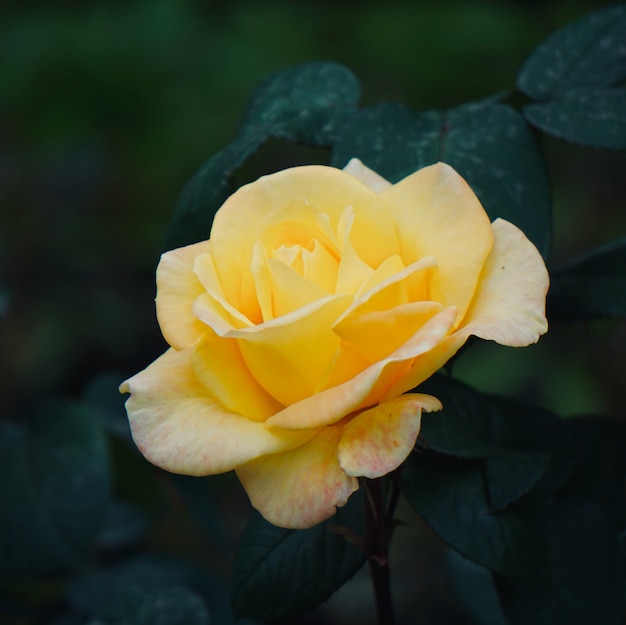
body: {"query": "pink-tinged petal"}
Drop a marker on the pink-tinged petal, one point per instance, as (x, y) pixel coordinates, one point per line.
(377, 334)
(302, 487)
(289, 355)
(222, 371)
(178, 426)
(437, 214)
(177, 289)
(378, 440)
(243, 219)
(367, 176)
(366, 388)
(509, 304)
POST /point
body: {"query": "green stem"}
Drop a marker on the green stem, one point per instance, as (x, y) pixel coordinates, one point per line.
(378, 527)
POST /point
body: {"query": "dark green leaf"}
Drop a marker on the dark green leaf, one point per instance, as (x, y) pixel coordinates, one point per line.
(473, 424)
(175, 606)
(466, 427)
(54, 489)
(206, 192)
(281, 572)
(581, 576)
(476, 425)
(474, 586)
(450, 495)
(306, 103)
(511, 474)
(591, 285)
(491, 146)
(391, 139)
(488, 143)
(582, 579)
(596, 118)
(588, 52)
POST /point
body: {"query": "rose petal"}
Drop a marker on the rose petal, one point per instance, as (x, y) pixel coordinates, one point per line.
(346, 364)
(426, 364)
(438, 215)
(214, 298)
(353, 271)
(320, 267)
(290, 291)
(366, 388)
(179, 427)
(242, 220)
(379, 333)
(367, 176)
(221, 369)
(302, 487)
(387, 270)
(509, 305)
(409, 284)
(378, 440)
(177, 288)
(297, 222)
(289, 355)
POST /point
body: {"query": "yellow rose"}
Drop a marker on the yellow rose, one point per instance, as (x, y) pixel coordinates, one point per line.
(321, 297)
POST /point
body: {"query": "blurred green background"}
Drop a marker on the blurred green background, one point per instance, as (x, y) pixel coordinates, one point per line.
(107, 108)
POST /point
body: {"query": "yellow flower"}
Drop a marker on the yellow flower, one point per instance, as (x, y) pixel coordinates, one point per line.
(322, 296)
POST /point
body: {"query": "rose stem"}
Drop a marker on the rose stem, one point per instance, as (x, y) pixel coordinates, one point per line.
(378, 525)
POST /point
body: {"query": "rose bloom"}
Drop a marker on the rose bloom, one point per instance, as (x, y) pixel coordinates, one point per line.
(321, 297)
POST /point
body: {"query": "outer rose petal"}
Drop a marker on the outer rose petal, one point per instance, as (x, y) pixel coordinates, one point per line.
(509, 305)
(177, 288)
(437, 214)
(367, 176)
(378, 440)
(327, 189)
(177, 426)
(366, 388)
(302, 487)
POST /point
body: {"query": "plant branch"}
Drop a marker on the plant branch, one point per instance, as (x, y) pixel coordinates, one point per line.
(378, 529)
